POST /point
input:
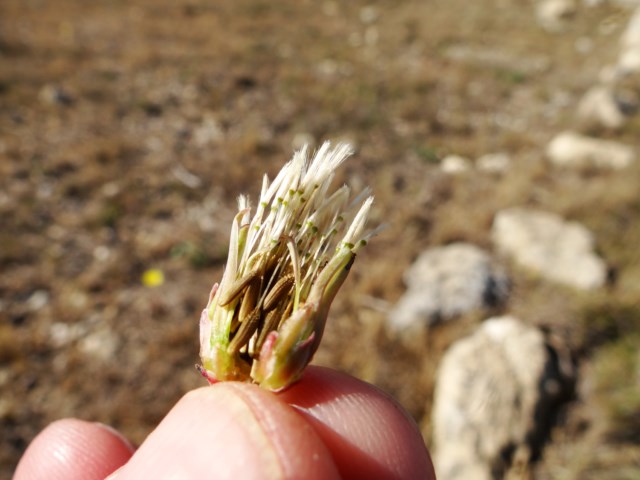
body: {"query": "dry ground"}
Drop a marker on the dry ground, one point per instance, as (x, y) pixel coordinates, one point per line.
(127, 129)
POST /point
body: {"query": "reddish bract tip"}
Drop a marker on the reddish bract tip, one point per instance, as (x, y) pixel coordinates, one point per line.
(206, 374)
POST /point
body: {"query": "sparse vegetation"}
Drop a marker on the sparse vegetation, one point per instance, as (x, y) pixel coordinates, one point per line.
(105, 105)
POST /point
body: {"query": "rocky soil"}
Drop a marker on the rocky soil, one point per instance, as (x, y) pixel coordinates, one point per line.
(127, 130)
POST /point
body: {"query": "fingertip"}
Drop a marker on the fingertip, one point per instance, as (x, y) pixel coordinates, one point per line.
(73, 449)
(368, 433)
(231, 430)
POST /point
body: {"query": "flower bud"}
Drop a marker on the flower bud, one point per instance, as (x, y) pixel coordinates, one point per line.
(265, 320)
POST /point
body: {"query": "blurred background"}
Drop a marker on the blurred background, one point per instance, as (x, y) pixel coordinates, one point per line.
(128, 129)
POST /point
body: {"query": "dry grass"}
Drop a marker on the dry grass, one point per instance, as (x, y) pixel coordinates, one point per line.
(104, 106)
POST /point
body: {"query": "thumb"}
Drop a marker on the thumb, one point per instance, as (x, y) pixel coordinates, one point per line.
(231, 430)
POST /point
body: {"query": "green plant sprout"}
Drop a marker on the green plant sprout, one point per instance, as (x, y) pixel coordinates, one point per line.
(264, 321)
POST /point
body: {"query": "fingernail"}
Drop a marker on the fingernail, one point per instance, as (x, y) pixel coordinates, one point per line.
(116, 433)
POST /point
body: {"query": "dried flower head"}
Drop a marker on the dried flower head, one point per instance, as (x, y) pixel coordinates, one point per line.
(265, 319)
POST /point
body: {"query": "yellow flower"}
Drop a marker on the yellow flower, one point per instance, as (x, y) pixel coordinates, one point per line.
(152, 277)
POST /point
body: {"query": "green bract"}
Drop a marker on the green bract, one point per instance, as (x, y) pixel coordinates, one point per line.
(265, 319)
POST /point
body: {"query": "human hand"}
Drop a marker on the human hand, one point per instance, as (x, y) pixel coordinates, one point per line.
(328, 425)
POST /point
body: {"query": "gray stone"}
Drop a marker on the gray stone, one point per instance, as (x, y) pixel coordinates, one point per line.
(629, 59)
(599, 108)
(631, 36)
(37, 300)
(552, 14)
(628, 63)
(572, 150)
(61, 334)
(101, 344)
(445, 282)
(209, 132)
(494, 162)
(494, 391)
(492, 57)
(54, 95)
(554, 248)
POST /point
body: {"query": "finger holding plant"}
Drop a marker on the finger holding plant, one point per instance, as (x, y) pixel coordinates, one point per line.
(265, 319)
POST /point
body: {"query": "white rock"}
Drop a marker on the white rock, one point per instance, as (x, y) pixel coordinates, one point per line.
(628, 63)
(445, 282)
(62, 334)
(496, 57)
(552, 14)
(631, 35)
(37, 300)
(543, 242)
(455, 164)
(570, 149)
(208, 132)
(54, 95)
(101, 344)
(494, 162)
(491, 389)
(629, 59)
(599, 108)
